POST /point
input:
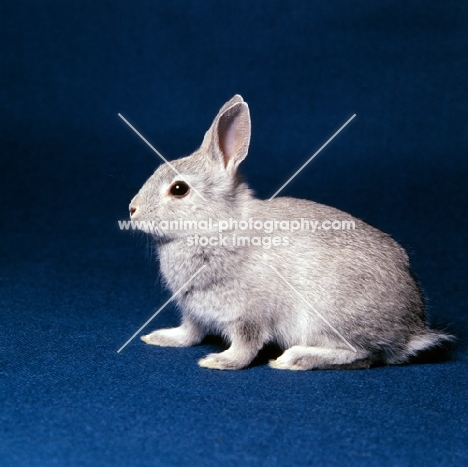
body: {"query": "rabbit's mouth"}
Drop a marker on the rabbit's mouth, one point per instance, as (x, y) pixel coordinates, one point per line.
(154, 227)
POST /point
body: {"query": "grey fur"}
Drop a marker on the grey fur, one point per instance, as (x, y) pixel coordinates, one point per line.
(356, 284)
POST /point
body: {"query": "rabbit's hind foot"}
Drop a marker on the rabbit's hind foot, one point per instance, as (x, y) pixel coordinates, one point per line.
(319, 358)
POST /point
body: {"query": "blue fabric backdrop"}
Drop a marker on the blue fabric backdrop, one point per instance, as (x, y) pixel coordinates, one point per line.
(73, 288)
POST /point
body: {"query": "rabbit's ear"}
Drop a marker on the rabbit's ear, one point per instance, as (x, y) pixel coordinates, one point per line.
(234, 100)
(231, 135)
(209, 134)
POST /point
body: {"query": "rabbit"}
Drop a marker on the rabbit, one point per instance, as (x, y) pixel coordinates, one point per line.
(330, 299)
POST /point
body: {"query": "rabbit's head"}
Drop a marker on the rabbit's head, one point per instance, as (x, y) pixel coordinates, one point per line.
(203, 185)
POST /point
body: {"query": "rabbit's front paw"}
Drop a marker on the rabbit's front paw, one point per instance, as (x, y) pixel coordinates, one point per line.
(175, 337)
(220, 361)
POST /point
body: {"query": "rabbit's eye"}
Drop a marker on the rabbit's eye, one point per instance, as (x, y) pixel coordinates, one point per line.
(179, 189)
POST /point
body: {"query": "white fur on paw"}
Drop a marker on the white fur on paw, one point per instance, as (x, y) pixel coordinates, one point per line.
(218, 361)
(285, 366)
(146, 339)
(164, 338)
(289, 360)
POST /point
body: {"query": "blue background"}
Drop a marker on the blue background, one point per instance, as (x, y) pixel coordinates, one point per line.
(73, 288)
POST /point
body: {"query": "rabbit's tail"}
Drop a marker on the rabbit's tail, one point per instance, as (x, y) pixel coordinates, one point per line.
(428, 339)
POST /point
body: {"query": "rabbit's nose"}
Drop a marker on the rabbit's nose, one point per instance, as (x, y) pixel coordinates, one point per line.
(132, 211)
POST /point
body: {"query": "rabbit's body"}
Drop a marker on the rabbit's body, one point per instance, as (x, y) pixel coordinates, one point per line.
(330, 298)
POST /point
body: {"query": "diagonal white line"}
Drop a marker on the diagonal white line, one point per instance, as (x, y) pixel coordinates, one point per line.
(160, 309)
(312, 308)
(312, 157)
(161, 156)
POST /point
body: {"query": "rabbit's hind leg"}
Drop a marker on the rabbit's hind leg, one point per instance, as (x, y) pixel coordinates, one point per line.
(320, 358)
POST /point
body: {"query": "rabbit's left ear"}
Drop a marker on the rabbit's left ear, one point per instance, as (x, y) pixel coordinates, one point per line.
(230, 137)
(209, 134)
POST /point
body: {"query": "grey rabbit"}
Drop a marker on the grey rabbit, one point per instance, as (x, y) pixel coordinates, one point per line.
(329, 299)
